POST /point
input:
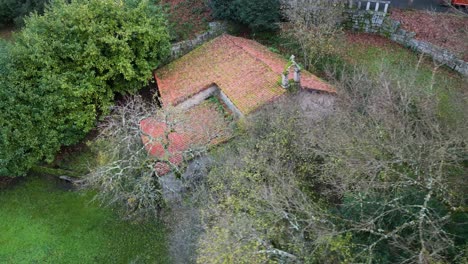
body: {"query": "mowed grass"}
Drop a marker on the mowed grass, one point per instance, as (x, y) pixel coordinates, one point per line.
(41, 223)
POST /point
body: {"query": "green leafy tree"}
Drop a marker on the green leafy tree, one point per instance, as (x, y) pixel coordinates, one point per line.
(64, 68)
(258, 15)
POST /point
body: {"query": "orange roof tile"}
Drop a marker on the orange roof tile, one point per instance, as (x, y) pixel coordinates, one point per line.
(246, 71)
(201, 125)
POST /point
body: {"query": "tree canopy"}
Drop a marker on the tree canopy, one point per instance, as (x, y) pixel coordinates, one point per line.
(64, 68)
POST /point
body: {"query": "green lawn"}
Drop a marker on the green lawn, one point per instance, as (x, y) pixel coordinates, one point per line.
(41, 223)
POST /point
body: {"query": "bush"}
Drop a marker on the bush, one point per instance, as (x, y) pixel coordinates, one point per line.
(64, 69)
(257, 15)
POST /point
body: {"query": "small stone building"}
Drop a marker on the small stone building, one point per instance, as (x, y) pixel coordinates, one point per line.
(243, 74)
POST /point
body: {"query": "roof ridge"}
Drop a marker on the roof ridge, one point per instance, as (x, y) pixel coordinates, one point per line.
(230, 38)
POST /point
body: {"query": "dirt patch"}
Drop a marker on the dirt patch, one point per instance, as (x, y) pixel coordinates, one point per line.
(77, 158)
(369, 40)
(6, 182)
(6, 32)
(449, 31)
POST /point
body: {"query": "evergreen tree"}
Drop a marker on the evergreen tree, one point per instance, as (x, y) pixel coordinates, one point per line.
(64, 68)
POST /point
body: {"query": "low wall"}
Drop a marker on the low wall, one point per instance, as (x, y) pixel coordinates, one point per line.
(230, 104)
(181, 48)
(376, 22)
(198, 98)
(439, 54)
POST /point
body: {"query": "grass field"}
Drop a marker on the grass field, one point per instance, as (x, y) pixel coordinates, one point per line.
(41, 223)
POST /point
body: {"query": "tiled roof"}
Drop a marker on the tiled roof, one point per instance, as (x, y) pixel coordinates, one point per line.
(200, 126)
(246, 72)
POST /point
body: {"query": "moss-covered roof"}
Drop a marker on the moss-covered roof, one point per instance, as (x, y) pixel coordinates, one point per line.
(246, 71)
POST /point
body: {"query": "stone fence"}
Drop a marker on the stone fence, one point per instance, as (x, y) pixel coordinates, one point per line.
(378, 22)
(439, 54)
(181, 48)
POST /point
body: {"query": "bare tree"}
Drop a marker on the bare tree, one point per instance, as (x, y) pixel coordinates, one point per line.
(315, 26)
(140, 142)
(379, 180)
(256, 209)
(392, 157)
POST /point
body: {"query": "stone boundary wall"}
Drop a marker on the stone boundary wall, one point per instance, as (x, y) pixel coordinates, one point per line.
(181, 48)
(439, 54)
(376, 22)
(371, 22)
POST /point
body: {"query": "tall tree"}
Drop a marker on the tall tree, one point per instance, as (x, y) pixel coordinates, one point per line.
(315, 26)
(65, 67)
(380, 179)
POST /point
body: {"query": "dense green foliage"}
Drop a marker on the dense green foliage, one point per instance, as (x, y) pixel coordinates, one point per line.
(14, 11)
(64, 68)
(258, 15)
(41, 223)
